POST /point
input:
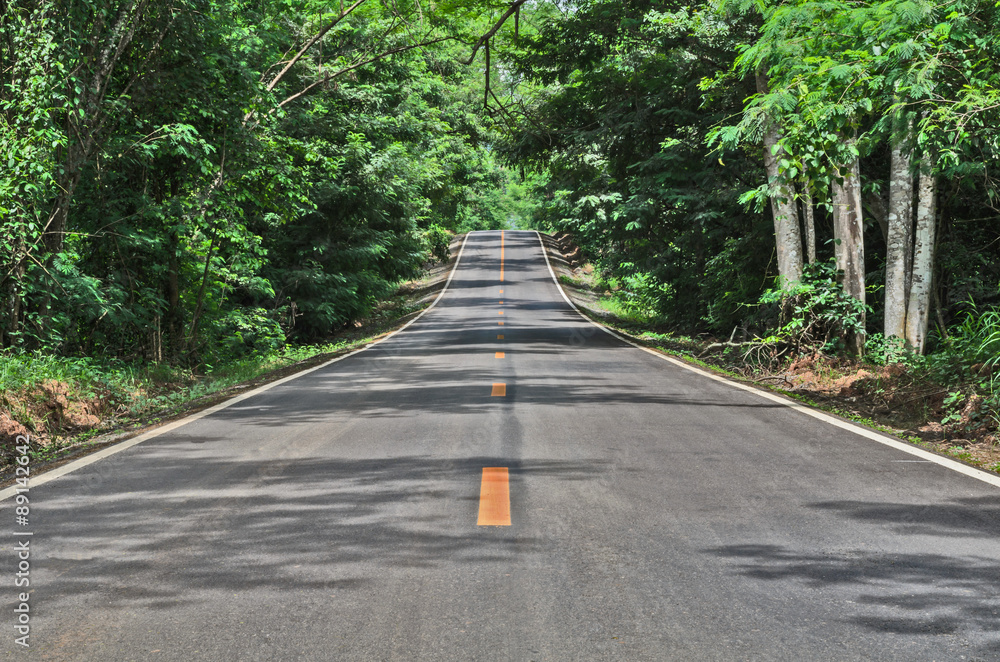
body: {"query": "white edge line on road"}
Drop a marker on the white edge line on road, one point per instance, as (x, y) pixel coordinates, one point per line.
(70, 467)
(946, 462)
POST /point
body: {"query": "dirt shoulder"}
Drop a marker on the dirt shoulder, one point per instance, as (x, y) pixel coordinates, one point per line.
(891, 399)
(63, 425)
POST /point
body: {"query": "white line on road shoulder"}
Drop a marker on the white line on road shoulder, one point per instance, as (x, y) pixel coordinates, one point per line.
(927, 456)
(70, 467)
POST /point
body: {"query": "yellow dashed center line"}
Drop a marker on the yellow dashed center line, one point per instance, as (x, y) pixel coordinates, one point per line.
(494, 497)
(500, 336)
(499, 355)
(499, 390)
(500, 313)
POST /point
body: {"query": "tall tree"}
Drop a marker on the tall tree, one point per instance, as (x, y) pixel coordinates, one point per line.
(848, 233)
(784, 207)
(919, 304)
(899, 255)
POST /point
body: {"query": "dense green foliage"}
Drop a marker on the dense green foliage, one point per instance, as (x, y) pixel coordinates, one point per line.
(207, 179)
(179, 187)
(647, 117)
(620, 125)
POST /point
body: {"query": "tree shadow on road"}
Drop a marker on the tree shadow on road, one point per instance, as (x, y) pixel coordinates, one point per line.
(145, 540)
(912, 593)
(979, 517)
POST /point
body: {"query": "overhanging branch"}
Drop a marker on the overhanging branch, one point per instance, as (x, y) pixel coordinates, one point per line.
(328, 77)
(309, 44)
(496, 27)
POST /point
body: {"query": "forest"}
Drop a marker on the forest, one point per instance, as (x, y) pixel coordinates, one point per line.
(190, 185)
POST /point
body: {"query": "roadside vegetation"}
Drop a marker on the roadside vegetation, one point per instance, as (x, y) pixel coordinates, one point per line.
(198, 192)
(798, 192)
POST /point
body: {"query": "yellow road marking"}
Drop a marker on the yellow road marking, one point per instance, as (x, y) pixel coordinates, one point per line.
(499, 355)
(501, 302)
(494, 497)
(499, 389)
(501, 256)
(500, 337)
(500, 313)
(501, 290)
(500, 322)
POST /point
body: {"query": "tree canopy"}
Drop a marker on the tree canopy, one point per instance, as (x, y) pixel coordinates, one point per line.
(209, 178)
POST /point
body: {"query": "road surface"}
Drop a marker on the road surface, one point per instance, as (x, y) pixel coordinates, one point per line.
(654, 514)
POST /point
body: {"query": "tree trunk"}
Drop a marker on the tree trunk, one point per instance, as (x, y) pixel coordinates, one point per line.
(876, 208)
(55, 231)
(899, 242)
(807, 204)
(200, 301)
(12, 298)
(850, 247)
(787, 236)
(174, 318)
(918, 308)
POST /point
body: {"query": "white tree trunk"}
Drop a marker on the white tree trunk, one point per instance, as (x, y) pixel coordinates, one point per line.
(918, 308)
(850, 248)
(807, 204)
(787, 236)
(899, 242)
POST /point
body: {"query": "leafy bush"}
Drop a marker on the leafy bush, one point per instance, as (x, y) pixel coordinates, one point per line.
(818, 314)
(437, 241)
(975, 341)
(640, 295)
(243, 331)
(880, 350)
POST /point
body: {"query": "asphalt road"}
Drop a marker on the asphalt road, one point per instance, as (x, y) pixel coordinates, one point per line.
(655, 514)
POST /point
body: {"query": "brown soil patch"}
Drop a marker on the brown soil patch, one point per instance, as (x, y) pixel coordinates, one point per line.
(46, 413)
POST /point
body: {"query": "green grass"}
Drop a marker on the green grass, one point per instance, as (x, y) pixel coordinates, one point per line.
(584, 282)
(139, 388)
(236, 372)
(625, 313)
(19, 371)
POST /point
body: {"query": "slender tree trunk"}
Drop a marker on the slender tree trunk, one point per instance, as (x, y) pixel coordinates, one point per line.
(174, 318)
(787, 235)
(850, 248)
(918, 308)
(876, 208)
(810, 222)
(12, 298)
(899, 242)
(200, 301)
(55, 233)
(908, 256)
